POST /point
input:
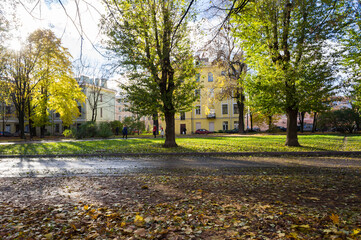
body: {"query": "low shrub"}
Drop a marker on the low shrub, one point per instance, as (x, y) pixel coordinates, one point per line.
(68, 133)
(87, 130)
(104, 130)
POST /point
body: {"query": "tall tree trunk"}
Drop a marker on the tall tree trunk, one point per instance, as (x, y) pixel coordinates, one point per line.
(302, 120)
(4, 109)
(42, 131)
(169, 131)
(21, 117)
(240, 105)
(270, 123)
(156, 122)
(292, 139)
(314, 122)
(30, 121)
(251, 120)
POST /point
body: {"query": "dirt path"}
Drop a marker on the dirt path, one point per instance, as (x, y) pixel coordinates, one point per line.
(104, 166)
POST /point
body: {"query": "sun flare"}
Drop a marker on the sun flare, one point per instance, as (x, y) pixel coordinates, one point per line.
(15, 45)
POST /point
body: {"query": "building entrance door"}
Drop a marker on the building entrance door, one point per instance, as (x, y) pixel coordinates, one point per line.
(182, 127)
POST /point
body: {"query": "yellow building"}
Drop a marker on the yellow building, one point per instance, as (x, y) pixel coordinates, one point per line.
(208, 112)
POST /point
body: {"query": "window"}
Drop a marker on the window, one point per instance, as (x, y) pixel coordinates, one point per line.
(183, 116)
(57, 115)
(235, 108)
(210, 77)
(120, 109)
(198, 77)
(236, 124)
(224, 108)
(79, 107)
(225, 125)
(120, 118)
(198, 110)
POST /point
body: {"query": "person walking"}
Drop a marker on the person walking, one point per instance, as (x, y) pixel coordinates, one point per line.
(162, 132)
(125, 132)
(155, 131)
(117, 131)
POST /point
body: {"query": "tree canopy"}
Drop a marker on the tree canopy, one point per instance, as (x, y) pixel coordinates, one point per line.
(150, 39)
(283, 41)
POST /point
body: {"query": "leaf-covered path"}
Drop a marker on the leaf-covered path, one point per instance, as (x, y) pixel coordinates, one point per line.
(308, 198)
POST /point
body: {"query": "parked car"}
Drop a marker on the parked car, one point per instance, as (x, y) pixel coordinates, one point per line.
(283, 129)
(17, 134)
(202, 131)
(136, 131)
(234, 130)
(255, 129)
(6, 134)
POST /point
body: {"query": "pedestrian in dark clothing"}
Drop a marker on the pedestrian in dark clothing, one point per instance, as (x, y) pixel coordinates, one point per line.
(184, 131)
(117, 131)
(125, 132)
(155, 131)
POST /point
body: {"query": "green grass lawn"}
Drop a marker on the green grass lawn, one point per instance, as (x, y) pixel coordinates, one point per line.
(253, 143)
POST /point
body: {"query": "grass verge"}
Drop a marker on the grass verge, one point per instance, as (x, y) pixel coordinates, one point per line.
(254, 143)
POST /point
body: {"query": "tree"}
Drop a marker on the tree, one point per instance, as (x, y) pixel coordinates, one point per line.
(5, 100)
(351, 43)
(55, 89)
(150, 38)
(230, 59)
(281, 39)
(92, 79)
(134, 124)
(342, 120)
(18, 74)
(316, 89)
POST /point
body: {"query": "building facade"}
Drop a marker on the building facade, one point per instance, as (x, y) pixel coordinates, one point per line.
(208, 111)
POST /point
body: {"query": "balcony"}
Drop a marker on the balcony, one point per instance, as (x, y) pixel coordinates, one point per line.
(211, 115)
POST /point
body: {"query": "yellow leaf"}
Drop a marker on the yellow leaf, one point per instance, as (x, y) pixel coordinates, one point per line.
(138, 220)
(49, 236)
(122, 224)
(86, 207)
(306, 226)
(356, 231)
(335, 218)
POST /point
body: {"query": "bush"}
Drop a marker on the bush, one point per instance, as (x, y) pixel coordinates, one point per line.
(87, 130)
(341, 120)
(220, 131)
(68, 133)
(104, 130)
(114, 124)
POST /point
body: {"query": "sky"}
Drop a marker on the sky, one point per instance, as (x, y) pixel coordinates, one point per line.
(64, 22)
(63, 18)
